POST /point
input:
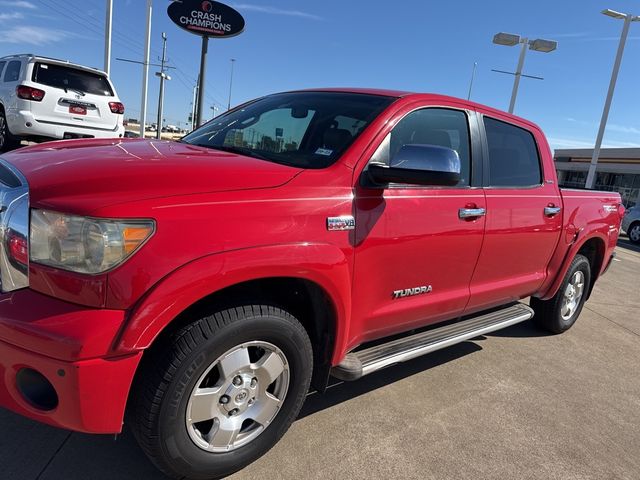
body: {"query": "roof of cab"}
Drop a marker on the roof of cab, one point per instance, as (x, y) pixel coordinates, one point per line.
(422, 96)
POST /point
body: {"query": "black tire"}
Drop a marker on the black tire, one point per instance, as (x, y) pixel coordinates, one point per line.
(175, 367)
(634, 233)
(549, 313)
(7, 140)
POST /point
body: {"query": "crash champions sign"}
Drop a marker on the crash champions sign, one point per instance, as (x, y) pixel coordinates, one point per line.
(206, 18)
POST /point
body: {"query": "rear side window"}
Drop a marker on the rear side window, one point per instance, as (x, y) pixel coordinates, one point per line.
(12, 73)
(2, 64)
(513, 156)
(69, 78)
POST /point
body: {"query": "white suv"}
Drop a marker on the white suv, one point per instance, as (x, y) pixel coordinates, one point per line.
(44, 99)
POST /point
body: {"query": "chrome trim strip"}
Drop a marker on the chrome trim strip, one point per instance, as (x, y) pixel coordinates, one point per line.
(115, 129)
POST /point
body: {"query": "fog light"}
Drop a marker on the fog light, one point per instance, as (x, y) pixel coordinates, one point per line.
(36, 389)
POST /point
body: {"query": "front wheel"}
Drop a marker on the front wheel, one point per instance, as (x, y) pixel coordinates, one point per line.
(559, 313)
(219, 393)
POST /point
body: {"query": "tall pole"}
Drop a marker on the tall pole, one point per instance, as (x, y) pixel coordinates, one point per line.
(233, 61)
(145, 69)
(473, 75)
(201, 81)
(516, 80)
(591, 176)
(194, 106)
(162, 76)
(107, 38)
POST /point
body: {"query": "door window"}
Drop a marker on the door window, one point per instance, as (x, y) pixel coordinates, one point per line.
(1, 67)
(431, 126)
(513, 156)
(12, 74)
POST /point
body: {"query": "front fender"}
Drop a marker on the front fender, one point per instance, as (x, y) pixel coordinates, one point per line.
(326, 265)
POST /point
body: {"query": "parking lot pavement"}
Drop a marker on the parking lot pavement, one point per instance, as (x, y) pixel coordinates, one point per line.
(515, 404)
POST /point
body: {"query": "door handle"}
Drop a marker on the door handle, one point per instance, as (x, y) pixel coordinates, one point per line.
(552, 211)
(465, 213)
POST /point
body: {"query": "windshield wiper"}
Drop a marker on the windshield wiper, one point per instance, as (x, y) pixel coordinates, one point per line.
(242, 151)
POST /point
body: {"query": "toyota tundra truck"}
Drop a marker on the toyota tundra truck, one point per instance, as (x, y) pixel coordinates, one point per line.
(196, 290)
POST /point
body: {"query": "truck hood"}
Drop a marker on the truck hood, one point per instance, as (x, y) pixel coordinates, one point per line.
(85, 175)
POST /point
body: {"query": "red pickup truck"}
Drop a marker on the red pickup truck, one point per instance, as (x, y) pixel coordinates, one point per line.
(196, 289)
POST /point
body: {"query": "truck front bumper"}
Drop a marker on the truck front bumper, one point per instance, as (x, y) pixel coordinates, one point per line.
(56, 363)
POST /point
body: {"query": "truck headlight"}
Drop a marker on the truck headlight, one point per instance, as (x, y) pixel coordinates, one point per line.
(83, 244)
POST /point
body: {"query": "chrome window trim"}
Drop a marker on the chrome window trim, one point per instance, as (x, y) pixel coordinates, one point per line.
(14, 216)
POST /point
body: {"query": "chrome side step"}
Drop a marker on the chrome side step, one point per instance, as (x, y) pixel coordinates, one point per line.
(363, 362)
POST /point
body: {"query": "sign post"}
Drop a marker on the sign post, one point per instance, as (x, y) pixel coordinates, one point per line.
(207, 19)
(203, 70)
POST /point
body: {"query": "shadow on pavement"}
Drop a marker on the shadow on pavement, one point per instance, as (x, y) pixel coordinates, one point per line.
(624, 242)
(339, 392)
(526, 329)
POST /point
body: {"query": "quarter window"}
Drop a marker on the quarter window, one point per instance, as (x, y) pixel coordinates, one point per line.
(2, 64)
(12, 74)
(430, 126)
(513, 155)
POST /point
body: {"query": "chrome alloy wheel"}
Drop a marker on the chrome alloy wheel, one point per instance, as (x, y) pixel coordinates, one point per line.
(572, 295)
(634, 232)
(237, 397)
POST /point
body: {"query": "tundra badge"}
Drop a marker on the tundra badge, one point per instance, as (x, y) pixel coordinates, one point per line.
(410, 292)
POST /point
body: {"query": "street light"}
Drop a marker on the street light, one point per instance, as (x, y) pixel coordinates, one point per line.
(591, 176)
(511, 40)
(233, 61)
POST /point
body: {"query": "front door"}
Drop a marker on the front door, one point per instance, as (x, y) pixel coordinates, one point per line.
(414, 255)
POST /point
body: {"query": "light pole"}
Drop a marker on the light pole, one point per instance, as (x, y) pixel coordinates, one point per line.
(107, 38)
(473, 75)
(591, 176)
(233, 61)
(163, 76)
(145, 69)
(538, 45)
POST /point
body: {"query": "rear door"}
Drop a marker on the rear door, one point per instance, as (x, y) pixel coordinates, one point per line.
(523, 217)
(414, 253)
(74, 97)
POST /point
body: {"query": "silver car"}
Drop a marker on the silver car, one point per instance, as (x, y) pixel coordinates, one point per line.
(631, 224)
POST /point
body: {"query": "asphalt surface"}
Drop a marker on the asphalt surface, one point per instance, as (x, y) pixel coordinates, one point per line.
(517, 404)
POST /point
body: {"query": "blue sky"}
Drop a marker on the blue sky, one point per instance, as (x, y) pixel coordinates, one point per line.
(417, 45)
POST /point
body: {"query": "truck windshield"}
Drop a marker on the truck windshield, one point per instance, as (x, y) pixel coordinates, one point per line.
(301, 129)
(69, 78)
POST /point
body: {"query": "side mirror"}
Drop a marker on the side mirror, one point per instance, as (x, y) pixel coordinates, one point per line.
(419, 165)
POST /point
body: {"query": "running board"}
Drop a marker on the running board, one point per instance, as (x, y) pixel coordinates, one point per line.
(363, 362)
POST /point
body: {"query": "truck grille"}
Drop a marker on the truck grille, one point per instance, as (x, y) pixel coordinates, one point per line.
(14, 229)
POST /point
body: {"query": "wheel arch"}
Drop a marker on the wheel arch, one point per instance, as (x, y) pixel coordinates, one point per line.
(594, 248)
(318, 299)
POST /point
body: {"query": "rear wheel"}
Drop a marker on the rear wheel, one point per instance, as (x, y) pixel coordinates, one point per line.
(7, 141)
(219, 393)
(559, 313)
(634, 232)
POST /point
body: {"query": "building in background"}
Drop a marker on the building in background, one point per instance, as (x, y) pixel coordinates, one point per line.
(618, 171)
